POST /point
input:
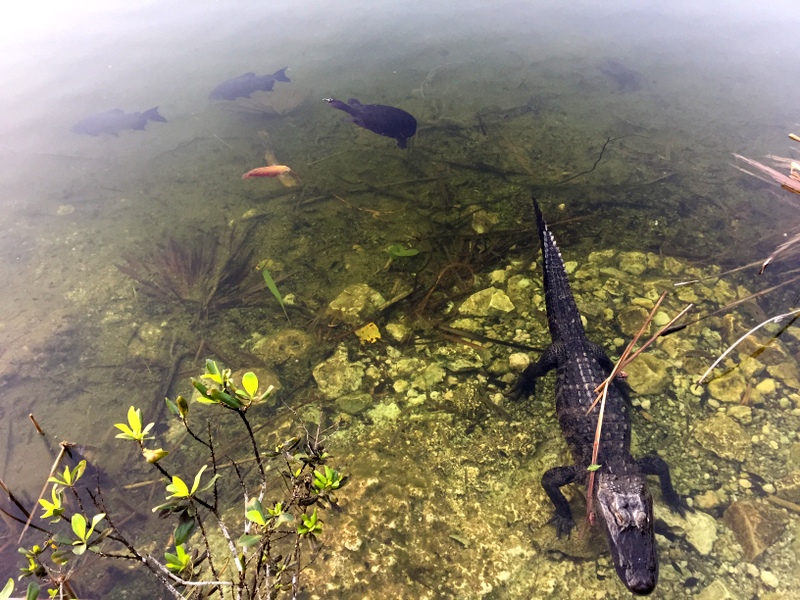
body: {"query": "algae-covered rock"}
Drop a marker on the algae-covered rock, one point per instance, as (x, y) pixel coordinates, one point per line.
(283, 346)
(353, 404)
(337, 375)
(432, 375)
(631, 319)
(477, 305)
(755, 525)
(789, 487)
(634, 263)
(647, 374)
(356, 303)
(486, 302)
(699, 528)
(459, 359)
(729, 387)
(717, 590)
(724, 437)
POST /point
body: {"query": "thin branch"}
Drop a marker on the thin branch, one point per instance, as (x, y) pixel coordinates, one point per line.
(741, 339)
(64, 446)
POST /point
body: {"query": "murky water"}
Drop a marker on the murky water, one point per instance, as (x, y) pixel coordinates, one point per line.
(621, 120)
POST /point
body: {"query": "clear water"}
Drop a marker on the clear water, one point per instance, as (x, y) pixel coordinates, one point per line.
(508, 98)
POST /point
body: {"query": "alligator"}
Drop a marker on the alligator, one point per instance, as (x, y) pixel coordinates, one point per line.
(620, 496)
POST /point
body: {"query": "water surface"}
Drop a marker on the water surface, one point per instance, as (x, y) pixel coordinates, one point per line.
(508, 98)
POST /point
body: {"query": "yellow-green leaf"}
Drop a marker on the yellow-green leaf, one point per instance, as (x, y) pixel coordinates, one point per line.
(250, 383)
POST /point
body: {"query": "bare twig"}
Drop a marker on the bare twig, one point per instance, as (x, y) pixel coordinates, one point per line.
(625, 359)
(64, 447)
(745, 336)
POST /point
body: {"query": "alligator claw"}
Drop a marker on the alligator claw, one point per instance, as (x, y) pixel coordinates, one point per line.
(564, 525)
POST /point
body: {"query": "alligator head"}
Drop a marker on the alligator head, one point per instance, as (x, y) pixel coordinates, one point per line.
(626, 510)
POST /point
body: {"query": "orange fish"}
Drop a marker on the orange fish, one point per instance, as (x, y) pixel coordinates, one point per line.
(271, 171)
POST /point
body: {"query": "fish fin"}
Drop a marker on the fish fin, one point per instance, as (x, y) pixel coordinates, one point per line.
(354, 103)
(280, 75)
(267, 87)
(152, 115)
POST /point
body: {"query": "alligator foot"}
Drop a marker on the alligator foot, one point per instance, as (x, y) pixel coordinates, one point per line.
(552, 481)
(655, 465)
(564, 525)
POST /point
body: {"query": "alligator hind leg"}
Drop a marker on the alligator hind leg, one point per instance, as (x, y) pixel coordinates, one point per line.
(526, 383)
(552, 482)
(655, 465)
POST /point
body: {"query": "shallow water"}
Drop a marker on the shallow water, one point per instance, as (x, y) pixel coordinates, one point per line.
(444, 499)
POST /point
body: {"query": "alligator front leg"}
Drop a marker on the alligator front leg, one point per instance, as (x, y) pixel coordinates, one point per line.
(526, 383)
(655, 465)
(552, 482)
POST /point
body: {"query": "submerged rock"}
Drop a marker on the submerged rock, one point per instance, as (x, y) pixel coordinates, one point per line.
(337, 375)
(486, 302)
(789, 487)
(716, 591)
(648, 374)
(724, 437)
(282, 346)
(729, 387)
(357, 303)
(699, 528)
(756, 526)
(353, 404)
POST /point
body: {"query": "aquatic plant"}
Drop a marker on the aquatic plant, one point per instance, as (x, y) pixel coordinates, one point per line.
(264, 560)
(271, 285)
(201, 273)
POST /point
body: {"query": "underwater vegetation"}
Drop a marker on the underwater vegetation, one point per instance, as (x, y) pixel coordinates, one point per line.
(203, 272)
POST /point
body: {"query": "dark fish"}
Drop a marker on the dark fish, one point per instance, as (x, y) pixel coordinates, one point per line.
(116, 120)
(627, 80)
(383, 120)
(244, 85)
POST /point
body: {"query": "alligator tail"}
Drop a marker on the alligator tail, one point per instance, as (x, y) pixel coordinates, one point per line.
(563, 317)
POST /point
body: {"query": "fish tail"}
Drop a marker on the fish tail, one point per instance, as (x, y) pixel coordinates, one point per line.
(280, 75)
(152, 115)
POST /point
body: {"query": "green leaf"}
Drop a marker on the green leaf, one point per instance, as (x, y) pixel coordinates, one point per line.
(399, 251)
(197, 477)
(60, 556)
(593, 467)
(135, 419)
(178, 488)
(255, 512)
(212, 372)
(183, 406)
(33, 591)
(79, 526)
(225, 398)
(172, 407)
(249, 540)
(78, 549)
(54, 508)
(184, 529)
(210, 484)
(273, 288)
(250, 383)
(8, 590)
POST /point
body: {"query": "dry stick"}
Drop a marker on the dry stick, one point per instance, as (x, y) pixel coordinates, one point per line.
(740, 301)
(64, 446)
(741, 339)
(624, 360)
